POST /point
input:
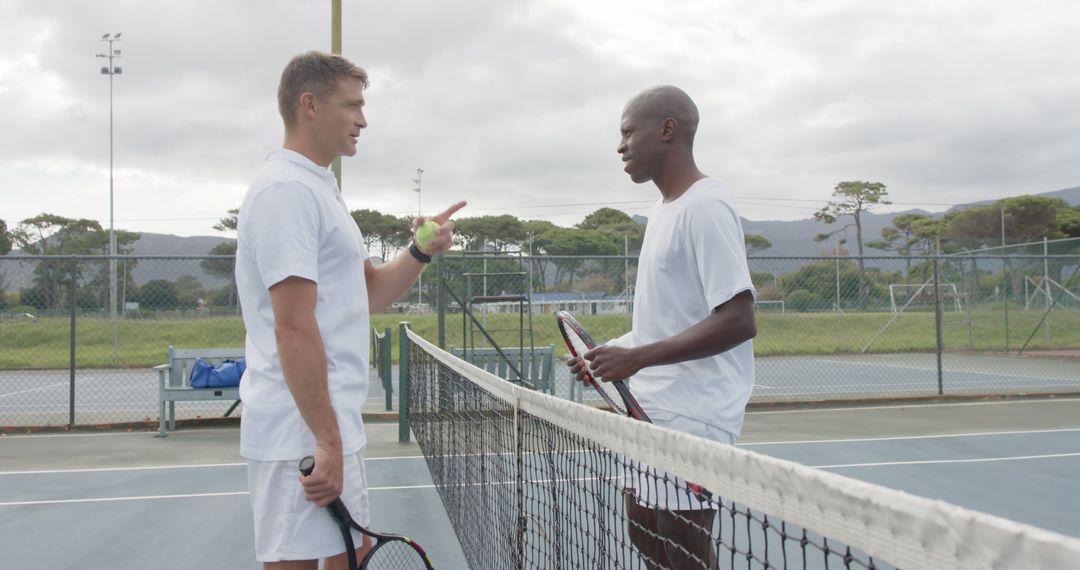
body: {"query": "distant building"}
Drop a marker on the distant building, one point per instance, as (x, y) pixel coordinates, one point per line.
(579, 303)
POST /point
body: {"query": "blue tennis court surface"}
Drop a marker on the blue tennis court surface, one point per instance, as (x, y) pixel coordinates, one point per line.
(130, 500)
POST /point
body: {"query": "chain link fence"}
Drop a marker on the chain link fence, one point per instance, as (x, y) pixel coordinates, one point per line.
(829, 328)
(69, 356)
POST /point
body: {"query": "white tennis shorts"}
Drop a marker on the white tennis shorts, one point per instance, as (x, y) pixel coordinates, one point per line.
(288, 527)
(648, 483)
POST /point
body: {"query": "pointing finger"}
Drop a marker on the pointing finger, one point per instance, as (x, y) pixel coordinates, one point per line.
(443, 217)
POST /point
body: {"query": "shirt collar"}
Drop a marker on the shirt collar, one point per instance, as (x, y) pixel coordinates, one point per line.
(300, 160)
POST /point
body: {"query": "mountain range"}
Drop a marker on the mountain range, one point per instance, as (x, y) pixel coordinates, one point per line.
(796, 238)
(789, 239)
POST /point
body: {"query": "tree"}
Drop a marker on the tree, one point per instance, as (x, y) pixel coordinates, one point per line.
(533, 230)
(5, 238)
(574, 242)
(830, 282)
(223, 267)
(1022, 219)
(188, 291)
(852, 198)
(1026, 219)
(496, 231)
(228, 223)
(1069, 221)
(158, 294)
(53, 235)
(908, 232)
(386, 231)
(756, 243)
(5, 247)
(624, 231)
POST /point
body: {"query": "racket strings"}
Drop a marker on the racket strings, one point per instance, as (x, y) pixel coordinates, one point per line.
(606, 388)
(396, 555)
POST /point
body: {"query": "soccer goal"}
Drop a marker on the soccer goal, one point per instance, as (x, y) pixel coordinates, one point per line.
(920, 296)
(773, 306)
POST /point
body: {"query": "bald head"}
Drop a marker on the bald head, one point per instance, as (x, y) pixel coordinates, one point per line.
(662, 102)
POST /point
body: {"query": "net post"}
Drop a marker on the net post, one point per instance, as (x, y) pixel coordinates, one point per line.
(403, 382)
(519, 482)
(387, 360)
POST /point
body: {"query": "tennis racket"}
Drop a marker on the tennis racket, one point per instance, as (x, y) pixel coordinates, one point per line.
(390, 551)
(616, 394)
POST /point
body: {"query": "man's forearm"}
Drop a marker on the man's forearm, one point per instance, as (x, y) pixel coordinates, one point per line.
(303, 361)
(388, 282)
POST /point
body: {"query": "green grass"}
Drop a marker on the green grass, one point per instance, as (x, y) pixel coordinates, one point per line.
(43, 343)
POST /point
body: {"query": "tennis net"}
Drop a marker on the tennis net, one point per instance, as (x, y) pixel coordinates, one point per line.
(532, 481)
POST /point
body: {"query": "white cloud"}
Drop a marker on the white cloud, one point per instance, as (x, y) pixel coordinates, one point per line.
(515, 105)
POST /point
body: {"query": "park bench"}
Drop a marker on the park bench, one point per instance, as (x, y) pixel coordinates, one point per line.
(535, 365)
(174, 381)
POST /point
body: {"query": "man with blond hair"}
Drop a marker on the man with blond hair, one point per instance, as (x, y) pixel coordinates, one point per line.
(307, 289)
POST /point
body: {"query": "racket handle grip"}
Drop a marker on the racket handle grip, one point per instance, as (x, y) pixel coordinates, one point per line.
(336, 507)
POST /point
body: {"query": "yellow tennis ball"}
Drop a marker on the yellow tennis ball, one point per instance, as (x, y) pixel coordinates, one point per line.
(424, 233)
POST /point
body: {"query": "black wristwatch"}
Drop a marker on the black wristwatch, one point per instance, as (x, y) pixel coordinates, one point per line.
(418, 255)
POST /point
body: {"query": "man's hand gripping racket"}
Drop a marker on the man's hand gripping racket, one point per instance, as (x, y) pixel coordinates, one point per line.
(616, 394)
(390, 550)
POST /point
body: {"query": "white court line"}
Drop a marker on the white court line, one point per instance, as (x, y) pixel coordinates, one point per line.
(424, 487)
(39, 388)
(941, 461)
(421, 457)
(919, 387)
(907, 437)
(115, 499)
(945, 369)
(163, 467)
(104, 434)
(912, 405)
(185, 496)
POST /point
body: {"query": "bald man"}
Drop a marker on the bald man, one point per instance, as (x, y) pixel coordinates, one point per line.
(689, 357)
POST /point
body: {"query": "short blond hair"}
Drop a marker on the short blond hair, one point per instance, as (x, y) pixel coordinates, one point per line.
(313, 72)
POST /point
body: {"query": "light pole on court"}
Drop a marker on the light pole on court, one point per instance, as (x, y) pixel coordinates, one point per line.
(335, 47)
(419, 212)
(111, 69)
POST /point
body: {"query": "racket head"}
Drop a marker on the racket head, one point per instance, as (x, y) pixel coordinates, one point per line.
(390, 550)
(579, 341)
(397, 552)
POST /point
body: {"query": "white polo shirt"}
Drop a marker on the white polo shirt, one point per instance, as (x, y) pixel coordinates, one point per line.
(294, 222)
(692, 260)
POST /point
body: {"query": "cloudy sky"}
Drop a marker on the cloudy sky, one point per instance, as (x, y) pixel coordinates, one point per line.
(514, 104)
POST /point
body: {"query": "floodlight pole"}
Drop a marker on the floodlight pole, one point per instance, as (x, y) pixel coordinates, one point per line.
(419, 212)
(335, 47)
(111, 70)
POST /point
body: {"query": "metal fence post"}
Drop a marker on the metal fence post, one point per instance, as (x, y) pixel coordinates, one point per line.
(403, 382)
(937, 322)
(440, 300)
(71, 365)
(1006, 290)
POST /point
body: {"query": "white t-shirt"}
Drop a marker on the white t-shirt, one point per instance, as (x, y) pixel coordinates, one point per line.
(294, 222)
(693, 260)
